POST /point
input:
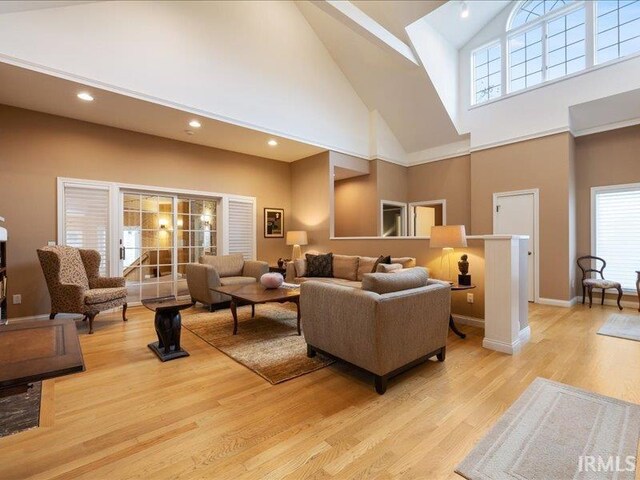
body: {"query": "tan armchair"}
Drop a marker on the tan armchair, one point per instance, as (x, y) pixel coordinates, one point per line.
(394, 322)
(75, 284)
(214, 271)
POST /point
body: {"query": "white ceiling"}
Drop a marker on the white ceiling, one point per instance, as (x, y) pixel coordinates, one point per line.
(401, 92)
(446, 20)
(44, 93)
(11, 6)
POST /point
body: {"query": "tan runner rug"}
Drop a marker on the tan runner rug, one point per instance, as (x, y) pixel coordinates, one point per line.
(554, 431)
(268, 344)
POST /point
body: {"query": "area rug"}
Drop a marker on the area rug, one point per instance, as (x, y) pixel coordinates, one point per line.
(622, 326)
(554, 431)
(20, 412)
(268, 344)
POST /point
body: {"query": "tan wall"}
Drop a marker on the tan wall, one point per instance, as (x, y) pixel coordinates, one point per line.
(37, 148)
(608, 158)
(542, 163)
(356, 209)
(446, 179)
(310, 192)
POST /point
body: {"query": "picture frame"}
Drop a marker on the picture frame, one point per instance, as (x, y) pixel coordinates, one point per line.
(273, 223)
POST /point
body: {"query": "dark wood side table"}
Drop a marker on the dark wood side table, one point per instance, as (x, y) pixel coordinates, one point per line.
(168, 323)
(35, 351)
(638, 288)
(455, 288)
(276, 269)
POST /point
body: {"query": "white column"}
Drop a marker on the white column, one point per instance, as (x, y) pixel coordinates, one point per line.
(506, 324)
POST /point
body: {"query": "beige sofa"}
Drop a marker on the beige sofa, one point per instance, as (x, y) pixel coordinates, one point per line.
(348, 270)
(214, 271)
(395, 321)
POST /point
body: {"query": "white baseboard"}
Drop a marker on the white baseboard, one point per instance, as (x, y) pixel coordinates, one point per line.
(557, 303)
(610, 302)
(471, 321)
(45, 316)
(510, 348)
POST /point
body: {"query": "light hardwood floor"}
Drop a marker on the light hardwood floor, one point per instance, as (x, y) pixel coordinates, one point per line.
(131, 416)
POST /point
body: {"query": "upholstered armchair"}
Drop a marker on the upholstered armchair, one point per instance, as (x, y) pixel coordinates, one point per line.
(214, 271)
(75, 284)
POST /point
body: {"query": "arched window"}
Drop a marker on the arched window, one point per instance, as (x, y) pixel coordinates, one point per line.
(549, 39)
(546, 41)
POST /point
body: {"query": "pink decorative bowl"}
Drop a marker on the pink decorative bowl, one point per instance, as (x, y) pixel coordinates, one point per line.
(271, 280)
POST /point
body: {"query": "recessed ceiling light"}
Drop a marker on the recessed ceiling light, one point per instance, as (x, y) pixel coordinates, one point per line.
(464, 10)
(195, 124)
(87, 97)
(272, 143)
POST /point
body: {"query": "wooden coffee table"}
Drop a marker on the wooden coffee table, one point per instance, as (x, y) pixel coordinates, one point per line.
(37, 350)
(253, 294)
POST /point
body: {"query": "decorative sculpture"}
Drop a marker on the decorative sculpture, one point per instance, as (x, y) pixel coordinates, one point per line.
(463, 265)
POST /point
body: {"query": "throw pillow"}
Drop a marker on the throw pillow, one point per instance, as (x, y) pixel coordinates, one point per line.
(320, 265)
(392, 267)
(381, 260)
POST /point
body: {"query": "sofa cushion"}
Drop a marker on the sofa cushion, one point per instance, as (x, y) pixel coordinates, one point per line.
(237, 280)
(406, 262)
(334, 281)
(388, 268)
(101, 295)
(320, 265)
(300, 266)
(225, 265)
(345, 266)
(365, 265)
(400, 280)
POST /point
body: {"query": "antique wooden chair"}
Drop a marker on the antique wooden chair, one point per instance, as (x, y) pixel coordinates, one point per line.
(589, 266)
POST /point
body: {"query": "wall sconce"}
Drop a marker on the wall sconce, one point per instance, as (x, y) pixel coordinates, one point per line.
(206, 220)
(163, 224)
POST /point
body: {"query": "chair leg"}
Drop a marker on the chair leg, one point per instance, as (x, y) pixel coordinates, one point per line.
(52, 316)
(124, 313)
(602, 300)
(84, 319)
(442, 355)
(212, 308)
(583, 293)
(310, 351)
(590, 291)
(619, 297)
(91, 316)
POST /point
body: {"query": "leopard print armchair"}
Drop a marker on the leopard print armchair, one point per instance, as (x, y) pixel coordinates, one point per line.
(75, 284)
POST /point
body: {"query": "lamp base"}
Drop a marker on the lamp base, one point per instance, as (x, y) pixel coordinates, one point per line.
(296, 252)
(464, 280)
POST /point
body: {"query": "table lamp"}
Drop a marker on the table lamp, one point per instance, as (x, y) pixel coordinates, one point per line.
(297, 238)
(448, 237)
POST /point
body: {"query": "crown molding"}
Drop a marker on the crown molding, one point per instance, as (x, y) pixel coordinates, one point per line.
(606, 128)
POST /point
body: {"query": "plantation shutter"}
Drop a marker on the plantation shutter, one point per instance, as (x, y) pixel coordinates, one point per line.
(242, 228)
(86, 220)
(617, 233)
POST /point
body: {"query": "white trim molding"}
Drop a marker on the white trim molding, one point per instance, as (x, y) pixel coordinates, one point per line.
(426, 203)
(403, 206)
(471, 321)
(557, 303)
(442, 152)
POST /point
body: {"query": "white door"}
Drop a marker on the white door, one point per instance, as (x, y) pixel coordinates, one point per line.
(514, 214)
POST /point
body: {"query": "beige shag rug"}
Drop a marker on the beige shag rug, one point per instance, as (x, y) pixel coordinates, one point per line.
(268, 344)
(554, 431)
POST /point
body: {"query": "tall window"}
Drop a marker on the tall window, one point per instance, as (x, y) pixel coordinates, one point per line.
(617, 29)
(487, 69)
(549, 39)
(617, 231)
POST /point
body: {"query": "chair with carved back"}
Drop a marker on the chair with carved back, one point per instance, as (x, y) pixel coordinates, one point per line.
(591, 267)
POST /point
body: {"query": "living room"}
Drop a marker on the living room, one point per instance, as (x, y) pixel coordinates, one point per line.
(279, 155)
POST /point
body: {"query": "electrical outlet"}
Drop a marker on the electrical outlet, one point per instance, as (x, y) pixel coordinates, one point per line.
(51, 243)
(469, 297)
(17, 299)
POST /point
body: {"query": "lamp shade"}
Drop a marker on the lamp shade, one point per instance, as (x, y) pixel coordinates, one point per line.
(448, 236)
(297, 237)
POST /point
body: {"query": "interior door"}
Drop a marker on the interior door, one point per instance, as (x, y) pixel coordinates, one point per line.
(514, 214)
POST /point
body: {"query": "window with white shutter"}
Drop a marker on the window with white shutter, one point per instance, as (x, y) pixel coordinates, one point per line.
(616, 223)
(241, 227)
(85, 220)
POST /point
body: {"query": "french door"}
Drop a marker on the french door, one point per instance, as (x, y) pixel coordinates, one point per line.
(161, 234)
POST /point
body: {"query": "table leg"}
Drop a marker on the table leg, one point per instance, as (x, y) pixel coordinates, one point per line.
(234, 312)
(453, 327)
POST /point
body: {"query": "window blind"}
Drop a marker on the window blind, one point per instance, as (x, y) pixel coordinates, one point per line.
(617, 233)
(86, 220)
(242, 228)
